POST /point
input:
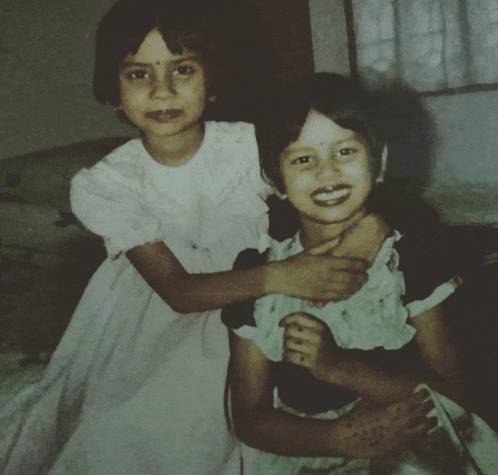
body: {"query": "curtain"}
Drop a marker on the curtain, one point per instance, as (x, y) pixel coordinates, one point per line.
(430, 45)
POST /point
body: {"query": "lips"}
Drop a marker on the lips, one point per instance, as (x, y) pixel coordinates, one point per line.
(164, 116)
(331, 195)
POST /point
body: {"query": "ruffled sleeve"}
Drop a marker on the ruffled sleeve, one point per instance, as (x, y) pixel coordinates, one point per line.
(109, 204)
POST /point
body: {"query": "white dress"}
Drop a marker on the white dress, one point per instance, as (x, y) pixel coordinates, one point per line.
(134, 387)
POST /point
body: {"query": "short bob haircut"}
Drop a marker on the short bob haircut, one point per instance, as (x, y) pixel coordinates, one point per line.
(225, 33)
(340, 98)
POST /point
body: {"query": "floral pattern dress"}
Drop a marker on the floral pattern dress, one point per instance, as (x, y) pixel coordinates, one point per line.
(462, 444)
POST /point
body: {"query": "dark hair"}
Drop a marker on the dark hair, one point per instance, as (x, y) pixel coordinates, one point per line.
(225, 33)
(340, 98)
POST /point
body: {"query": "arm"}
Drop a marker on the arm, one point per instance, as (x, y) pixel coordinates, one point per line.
(441, 353)
(364, 432)
(309, 343)
(307, 275)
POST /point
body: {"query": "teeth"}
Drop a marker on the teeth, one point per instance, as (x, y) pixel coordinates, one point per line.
(331, 195)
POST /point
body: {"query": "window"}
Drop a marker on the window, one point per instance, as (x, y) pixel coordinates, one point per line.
(430, 45)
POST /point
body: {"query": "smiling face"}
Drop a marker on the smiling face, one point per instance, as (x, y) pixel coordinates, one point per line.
(163, 94)
(326, 172)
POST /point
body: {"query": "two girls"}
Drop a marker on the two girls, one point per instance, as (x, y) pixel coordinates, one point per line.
(325, 151)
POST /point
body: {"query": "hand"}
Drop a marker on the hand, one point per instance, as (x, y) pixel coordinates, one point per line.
(372, 430)
(491, 258)
(309, 343)
(319, 276)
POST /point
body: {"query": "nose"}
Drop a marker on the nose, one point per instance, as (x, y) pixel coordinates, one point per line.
(329, 168)
(163, 87)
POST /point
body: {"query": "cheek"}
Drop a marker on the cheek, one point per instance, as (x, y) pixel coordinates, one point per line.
(194, 91)
(131, 94)
(359, 172)
(297, 182)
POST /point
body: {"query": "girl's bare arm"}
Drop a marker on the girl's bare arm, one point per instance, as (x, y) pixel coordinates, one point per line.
(441, 353)
(307, 275)
(309, 343)
(364, 432)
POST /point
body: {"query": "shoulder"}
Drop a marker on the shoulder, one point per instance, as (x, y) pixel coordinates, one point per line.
(232, 141)
(425, 256)
(112, 184)
(123, 167)
(230, 158)
(232, 131)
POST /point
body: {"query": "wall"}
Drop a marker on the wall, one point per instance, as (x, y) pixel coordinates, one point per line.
(47, 63)
(46, 52)
(464, 175)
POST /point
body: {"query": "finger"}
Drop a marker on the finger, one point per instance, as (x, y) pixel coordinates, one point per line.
(349, 264)
(297, 344)
(326, 246)
(419, 431)
(491, 258)
(420, 394)
(344, 281)
(420, 414)
(316, 303)
(301, 320)
(302, 332)
(297, 358)
(416, 405)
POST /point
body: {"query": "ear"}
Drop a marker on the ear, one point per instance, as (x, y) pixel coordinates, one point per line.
(383, 165)
(281, 196)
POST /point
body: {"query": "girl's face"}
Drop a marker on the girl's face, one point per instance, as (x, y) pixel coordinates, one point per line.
(162, 93)
(326, 172)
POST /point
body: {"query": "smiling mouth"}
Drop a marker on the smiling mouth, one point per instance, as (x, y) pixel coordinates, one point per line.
(164, 116)
(331, 196)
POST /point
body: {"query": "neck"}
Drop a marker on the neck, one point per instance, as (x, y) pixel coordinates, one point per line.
(314, 233)
(176, 149)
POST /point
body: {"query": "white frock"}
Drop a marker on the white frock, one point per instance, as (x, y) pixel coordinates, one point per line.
(134, 387)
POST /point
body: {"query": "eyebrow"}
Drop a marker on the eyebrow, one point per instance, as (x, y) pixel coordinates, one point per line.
(292, 149)
(129, 64)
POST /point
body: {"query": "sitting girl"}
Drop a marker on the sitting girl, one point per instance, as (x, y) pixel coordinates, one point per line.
(324, 150)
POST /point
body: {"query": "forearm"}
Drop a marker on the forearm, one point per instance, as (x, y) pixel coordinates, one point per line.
(384, 386)
(366, 430)
(375, 383)
(282, 433)
(188, 292)
(200, 292)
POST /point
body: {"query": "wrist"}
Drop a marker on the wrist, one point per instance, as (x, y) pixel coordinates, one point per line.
(339, 436)
(342, 371)
(274, 278)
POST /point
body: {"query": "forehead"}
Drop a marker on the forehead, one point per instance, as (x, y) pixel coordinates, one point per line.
(154, 50)
(320, 131)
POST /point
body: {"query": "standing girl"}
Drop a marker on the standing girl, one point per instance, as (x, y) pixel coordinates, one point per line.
(136, 385)
(324, 150)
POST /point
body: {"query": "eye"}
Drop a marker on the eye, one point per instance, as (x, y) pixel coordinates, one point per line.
(346, 151)
(138, 74)
(184, 70)
(301, 160)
